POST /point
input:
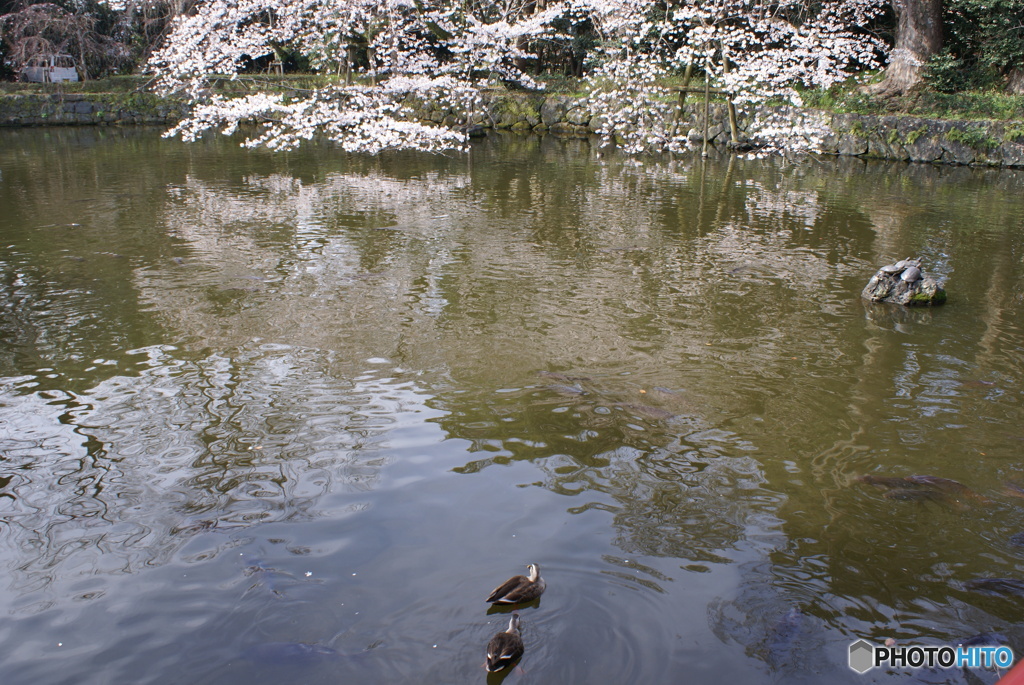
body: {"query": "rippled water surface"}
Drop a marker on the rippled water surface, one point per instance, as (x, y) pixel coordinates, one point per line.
(289, 418)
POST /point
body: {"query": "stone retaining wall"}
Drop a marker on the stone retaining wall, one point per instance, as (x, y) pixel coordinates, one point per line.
(58, 109)
(914, 139)
(989, 143)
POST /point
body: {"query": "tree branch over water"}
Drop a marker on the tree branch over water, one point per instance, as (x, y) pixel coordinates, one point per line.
(404, 51)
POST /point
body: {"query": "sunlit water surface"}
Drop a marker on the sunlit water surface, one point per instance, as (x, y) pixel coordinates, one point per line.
(289, 418)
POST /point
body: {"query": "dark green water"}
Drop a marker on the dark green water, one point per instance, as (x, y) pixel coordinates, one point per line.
(249, 399)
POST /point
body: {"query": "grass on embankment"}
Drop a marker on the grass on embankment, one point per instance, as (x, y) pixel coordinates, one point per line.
(988, 105)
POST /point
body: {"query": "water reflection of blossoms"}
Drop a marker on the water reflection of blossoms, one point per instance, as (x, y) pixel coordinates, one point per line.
(146, 461)
(674, 485)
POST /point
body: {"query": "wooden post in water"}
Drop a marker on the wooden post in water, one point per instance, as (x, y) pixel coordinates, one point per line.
(734, 129)
(347, 64)
(682, 98)
(707, 106)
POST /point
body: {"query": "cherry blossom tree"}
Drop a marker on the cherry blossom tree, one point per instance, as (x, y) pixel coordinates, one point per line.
(441, 50)
(750, 51)
(438, 52)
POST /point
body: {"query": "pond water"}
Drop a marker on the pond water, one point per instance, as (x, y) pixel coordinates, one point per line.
(290, 418)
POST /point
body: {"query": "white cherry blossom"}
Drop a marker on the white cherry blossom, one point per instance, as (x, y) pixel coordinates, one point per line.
(752, 51)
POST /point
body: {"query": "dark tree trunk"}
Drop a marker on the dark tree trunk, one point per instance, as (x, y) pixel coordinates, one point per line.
(522, 43)
(918, 37)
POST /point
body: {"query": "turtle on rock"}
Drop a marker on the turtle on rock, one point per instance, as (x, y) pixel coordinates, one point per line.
(905, 283)
(911, 274)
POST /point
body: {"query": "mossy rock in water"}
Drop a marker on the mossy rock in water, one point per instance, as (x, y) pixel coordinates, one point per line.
(905, 284)
(928, 296)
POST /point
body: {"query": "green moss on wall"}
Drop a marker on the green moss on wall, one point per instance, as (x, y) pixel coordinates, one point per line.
(972, 136)
(914, 135)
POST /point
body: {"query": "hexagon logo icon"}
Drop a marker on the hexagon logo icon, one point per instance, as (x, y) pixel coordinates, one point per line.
(862, 656)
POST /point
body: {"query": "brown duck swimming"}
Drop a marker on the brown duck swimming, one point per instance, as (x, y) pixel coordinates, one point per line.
(519, 589)
(505, 648)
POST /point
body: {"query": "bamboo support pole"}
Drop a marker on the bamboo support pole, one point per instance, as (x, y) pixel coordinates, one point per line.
(734, 129)
(687, 75)
(707, 107)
